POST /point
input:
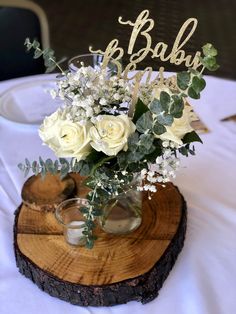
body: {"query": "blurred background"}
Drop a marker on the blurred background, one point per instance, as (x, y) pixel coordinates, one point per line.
(74, 25)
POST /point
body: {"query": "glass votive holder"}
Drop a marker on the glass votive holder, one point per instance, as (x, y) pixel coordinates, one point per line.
(68, 214)
(94, 60)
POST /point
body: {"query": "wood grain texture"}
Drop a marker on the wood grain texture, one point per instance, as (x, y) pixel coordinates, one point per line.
(45, 194)
(116, 262)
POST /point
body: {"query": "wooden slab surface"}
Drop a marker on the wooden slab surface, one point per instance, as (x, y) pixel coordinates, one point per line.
(114, 260)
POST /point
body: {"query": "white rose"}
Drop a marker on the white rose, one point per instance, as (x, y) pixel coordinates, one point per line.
(179, 127)
(66, 138)
(110, 134)
(48, 129)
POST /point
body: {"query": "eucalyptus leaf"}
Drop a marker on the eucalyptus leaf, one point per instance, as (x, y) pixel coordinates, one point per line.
(162, 115)
(183, 79)
(213, 67)
(41, 162)
(156, 107)
(177, 106)
(210, 63)
(26, 171)
(209, 50)
(21, 166)
(56, 166)
(122, 160)
(65, 167)
(76, 167)
(135, 156)
(198, 84)
(64, 171)
(165, 119)
(37, 54)
(193, 94)
(48, 53)
(146, 143)
(158, 129)
(35, 44)
(164, 99)
(63, 161)
(49, 166)
(133, 141)
(85, 170)
(89, 243)
(144, 123)
(27, 162)
(43, 172)
(28, 44)
(35, 167)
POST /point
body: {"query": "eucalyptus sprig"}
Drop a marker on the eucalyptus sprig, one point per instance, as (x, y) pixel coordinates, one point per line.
(47, 54)
(191, 82)
(209, 59)
(61, 166)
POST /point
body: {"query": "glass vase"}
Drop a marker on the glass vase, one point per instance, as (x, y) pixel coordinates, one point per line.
(122, 213)
(95, 61)
(69, 216)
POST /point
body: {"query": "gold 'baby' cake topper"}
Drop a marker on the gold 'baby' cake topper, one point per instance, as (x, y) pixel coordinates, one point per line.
(141, 27)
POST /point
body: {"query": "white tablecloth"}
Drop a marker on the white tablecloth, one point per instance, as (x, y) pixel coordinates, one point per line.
(203, 280)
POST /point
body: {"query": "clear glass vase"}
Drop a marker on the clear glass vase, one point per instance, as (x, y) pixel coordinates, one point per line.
(122, 214)
(69, 216)
(95, 61)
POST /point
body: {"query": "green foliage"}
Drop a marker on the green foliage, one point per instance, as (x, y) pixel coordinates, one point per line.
(146, 143)
(145, 122)
(161, 111)
(209, 50)
(47, 54)
(165, 110)
(174, 106)
(61, 166)
(177, 106)
(65, 167)
(209, 59)
(158, 129)
(140, 109)
(191, 137)
(186, 150)
(133, 141)
(183, 79)
(191, 81)
(193, 94)
(198, 84)
(165, 99)
(156, 153)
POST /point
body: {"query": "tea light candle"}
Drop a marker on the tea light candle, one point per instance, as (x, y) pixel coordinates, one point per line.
(74, 235)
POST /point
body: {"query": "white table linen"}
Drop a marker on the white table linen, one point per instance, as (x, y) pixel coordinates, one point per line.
(203, 280)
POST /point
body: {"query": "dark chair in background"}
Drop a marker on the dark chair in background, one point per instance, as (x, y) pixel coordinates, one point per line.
(20, 19)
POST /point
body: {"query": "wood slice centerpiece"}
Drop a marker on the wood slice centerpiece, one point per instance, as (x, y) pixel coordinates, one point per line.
(118, 269)
(46, 193)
